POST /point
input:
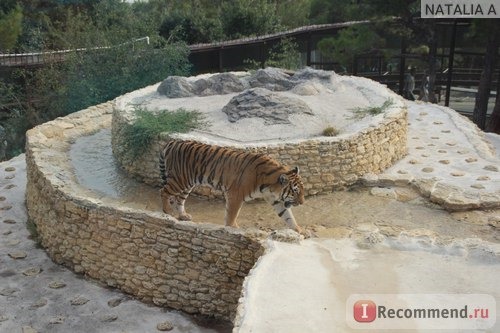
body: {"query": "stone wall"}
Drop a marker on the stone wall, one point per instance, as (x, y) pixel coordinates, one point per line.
(194, 267)
(326, 163)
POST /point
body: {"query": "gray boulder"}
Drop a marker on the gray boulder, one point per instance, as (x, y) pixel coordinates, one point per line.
(219, 84)
(310, 74)
(271, 78)
(176, 87)
(262, 103)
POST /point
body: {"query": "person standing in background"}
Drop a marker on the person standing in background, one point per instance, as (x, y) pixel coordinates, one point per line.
(424, 87)
(409, 85)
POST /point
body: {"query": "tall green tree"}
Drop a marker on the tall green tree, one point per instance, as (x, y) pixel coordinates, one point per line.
(191, 27)
(293, 13)
(105, 59)
(242, 18)
(349, 42)
(335, 11)
(11, 16)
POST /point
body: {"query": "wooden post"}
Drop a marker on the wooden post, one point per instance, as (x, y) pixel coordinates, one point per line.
(220, 60)
(262, 54)
(309, 47)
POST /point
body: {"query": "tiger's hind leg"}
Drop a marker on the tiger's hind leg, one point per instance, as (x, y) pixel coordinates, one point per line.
(173, 199)
(166, 201)
(181, 210)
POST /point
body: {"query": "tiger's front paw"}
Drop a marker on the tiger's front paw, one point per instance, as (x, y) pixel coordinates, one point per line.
(233, 225)
(305, 233)
(185, 217)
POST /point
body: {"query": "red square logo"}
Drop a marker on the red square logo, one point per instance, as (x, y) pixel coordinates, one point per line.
(364, 311)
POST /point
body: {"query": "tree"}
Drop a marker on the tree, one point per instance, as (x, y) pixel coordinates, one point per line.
(494, 125)
(427, 28)
(104, 60)
(11, 16)
(293, 13)
(334, 11)
(492, 29)
(349, 42)
(191, 27)
(242, 18)
(12, 122)
(285, 55)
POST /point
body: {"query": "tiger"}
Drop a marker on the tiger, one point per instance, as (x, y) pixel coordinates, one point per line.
(240, 175)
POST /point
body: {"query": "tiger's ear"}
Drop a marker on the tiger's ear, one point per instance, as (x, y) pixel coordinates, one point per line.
(296, 170)
(283, 179)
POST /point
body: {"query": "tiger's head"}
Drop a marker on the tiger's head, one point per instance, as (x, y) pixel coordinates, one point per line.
(292, 189)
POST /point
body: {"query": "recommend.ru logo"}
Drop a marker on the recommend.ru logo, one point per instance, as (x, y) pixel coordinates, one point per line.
(421, 311)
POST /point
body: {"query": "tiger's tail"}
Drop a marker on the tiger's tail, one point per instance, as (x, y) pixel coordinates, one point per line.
(163, 174)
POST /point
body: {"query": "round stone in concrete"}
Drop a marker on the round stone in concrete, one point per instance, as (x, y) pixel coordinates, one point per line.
(165, 326)
(57, 285)
(79, 300)
(18, 254)
(33, 271)
(8, 291)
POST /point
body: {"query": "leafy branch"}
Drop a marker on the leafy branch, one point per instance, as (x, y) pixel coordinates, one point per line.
(359, 113)
(149, 125)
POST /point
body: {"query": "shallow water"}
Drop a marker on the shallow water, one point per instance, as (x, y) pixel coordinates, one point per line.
(96, 167)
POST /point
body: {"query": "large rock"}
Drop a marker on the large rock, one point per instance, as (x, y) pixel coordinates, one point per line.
(176, 87)
(271, 78)
(310, 74)
(219, 84)
(262, 103)
(307, 82)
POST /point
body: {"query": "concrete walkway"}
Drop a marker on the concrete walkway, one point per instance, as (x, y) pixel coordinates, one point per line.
(37, 295)
(305, 288)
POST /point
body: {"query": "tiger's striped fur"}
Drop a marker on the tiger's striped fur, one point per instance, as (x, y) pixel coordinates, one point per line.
(240, 175)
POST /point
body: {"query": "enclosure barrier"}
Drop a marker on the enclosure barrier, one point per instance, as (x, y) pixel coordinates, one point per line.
(193, 267)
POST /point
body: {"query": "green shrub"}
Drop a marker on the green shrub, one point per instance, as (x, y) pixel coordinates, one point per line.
(330, 131)
(359, 113)
(149, 125)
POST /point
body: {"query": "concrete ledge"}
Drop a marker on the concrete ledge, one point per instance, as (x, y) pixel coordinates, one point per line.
(193, 267)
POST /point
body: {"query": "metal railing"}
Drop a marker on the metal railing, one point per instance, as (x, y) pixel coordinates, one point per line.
(40, 58)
